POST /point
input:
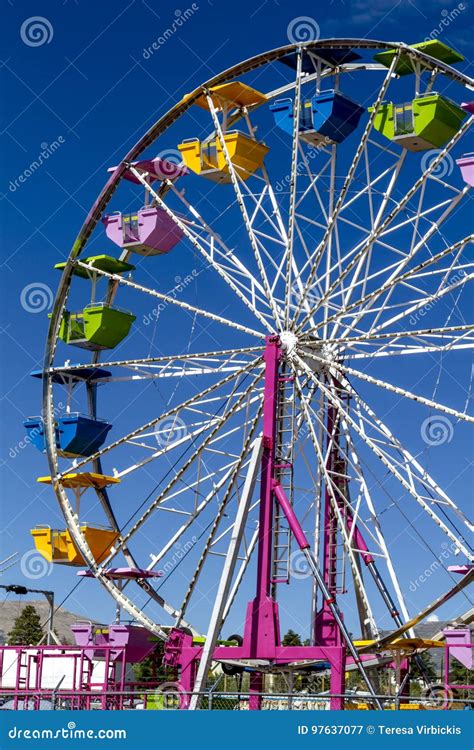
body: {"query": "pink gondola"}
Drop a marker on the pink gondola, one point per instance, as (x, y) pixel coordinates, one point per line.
(466, 165)
(149, 231)
(157, 169)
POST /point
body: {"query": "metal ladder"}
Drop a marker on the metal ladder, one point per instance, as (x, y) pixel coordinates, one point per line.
(284, 475)
(22, 679)
(337, 549)
(23, 670)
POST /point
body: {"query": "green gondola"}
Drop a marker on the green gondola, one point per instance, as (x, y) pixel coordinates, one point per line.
(98, 326)
(432, 47)
(427, 122)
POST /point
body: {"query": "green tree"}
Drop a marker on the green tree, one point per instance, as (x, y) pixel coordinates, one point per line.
(152, 669)
(426, 670)
(459, 674)
(291, 639)
(27, 629)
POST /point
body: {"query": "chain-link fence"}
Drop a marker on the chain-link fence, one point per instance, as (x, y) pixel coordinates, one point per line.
(169, 697)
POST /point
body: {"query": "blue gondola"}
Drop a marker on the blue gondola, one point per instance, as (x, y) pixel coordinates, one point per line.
(76, 434)
(328, 55)
(328, 117)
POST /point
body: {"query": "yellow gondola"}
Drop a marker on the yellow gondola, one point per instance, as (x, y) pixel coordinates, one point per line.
(206, 158)
(57, 545)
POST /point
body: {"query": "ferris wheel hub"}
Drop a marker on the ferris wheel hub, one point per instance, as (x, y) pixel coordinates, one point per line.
(289, 342)
(318, 355)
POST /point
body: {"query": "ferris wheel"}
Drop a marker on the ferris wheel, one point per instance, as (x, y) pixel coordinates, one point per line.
(315, 201)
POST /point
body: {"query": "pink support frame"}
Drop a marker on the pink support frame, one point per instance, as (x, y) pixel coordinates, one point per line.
(261, 638)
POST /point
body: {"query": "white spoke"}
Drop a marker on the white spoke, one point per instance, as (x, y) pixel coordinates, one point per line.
(335, 504)
(198, 246)
(347, 182)
(159, 499)
(335, 370)
(293, 182)
(170, 300)
(390, 466)
(374, 234)
(240, 201)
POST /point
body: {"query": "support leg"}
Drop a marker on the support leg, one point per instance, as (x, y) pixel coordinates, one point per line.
(338, 680)
(256, 690)
(304, 545)
(227, 574)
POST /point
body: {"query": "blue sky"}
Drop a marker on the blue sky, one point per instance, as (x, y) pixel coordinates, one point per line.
(85, 96)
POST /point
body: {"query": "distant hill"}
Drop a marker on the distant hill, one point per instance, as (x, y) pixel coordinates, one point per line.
(63, 619)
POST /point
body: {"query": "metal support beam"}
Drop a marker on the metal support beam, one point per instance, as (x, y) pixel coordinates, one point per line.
(215, 623)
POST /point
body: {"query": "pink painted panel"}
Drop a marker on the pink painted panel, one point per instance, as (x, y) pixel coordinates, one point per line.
(460, 645)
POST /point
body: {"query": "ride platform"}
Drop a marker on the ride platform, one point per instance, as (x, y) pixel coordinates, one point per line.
(156, 169)
(403, 644)
(330, 55)
(82, 479)
(71, 374)
(122, 574)
(230, 95)
(106, 263)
